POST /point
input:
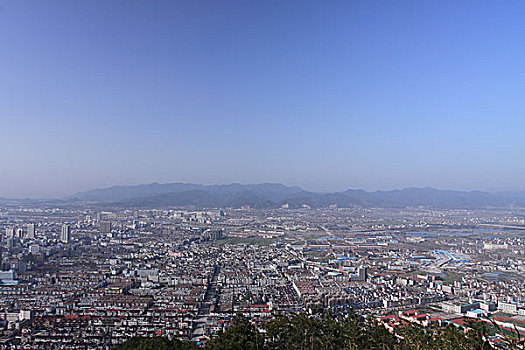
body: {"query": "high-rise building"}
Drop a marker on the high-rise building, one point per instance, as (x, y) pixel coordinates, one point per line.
(105, 227)
(7, 276)
(19, 233)
(30, 231)
(362, 273)
(65, 235)
(10, 242)
(9, 232)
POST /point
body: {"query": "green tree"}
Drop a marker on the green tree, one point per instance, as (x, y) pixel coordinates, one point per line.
(328, 332)
(242, 335)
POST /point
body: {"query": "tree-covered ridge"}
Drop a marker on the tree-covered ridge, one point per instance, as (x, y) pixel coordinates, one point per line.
(273, 195)
(324, 332)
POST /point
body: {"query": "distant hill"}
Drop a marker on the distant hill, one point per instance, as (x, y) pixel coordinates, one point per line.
(274, 195)
(180, 194)
(120, 193)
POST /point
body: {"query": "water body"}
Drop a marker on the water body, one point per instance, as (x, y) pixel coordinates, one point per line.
(494, 276)
(452, 233)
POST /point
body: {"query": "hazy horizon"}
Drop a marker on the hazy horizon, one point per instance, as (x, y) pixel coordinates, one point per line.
(325, 96)
(494, 190)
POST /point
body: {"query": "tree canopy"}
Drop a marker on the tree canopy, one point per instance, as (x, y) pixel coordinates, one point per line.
(325, 332)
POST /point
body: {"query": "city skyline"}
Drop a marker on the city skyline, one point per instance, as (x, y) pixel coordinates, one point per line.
(368, 95)
(99, 276)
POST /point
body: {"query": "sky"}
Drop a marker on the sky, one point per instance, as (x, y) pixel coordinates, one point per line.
(327, 95)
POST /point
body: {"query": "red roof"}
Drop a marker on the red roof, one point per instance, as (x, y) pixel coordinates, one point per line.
(410, 312)
(388, 318)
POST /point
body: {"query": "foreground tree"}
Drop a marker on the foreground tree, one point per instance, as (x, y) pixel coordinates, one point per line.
(327, 332)
(242, 335)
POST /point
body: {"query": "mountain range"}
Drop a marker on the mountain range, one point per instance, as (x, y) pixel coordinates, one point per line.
(271, 195)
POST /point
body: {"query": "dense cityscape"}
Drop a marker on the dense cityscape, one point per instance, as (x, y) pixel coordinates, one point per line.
(90, 278)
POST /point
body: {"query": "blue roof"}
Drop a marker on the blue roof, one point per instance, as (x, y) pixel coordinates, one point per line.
(477, 311)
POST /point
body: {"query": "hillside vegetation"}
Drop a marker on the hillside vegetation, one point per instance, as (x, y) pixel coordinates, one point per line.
(324, 332)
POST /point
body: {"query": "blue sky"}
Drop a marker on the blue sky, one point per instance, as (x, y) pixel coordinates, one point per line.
(327, 95)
